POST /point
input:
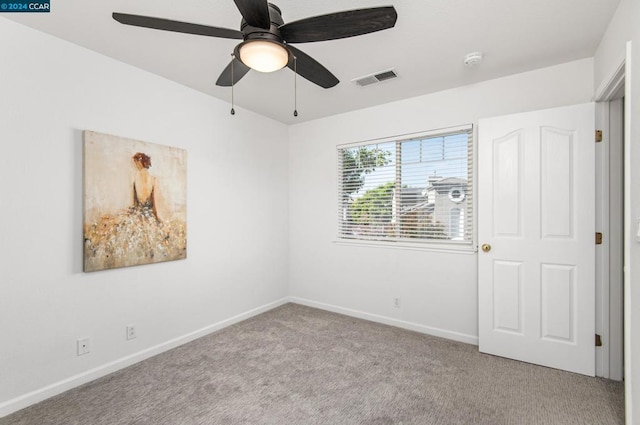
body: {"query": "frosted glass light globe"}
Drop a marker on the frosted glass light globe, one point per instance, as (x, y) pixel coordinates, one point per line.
(264, 56)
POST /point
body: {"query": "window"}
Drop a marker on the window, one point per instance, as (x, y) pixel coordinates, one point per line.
(414, 189)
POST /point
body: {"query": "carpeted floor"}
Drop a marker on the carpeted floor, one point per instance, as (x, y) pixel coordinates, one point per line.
(297, 365)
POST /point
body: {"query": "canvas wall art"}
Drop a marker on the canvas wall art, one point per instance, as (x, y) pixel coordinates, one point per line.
(135, 209)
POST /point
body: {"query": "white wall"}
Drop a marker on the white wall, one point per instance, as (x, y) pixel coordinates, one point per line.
(50, 91)
(611, 50)
(625, 27)
(438, 290)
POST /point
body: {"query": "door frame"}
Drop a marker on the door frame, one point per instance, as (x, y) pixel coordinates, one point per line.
(627, 239)
(605, 93)
(609, 201)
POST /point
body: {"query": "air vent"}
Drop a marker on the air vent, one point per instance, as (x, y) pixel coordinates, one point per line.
(375, 78)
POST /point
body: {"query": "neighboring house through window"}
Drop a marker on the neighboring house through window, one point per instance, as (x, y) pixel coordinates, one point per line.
(414, 188)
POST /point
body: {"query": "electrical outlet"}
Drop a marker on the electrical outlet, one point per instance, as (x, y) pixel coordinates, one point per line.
(84, 346)
(396, 302)
(131, 332)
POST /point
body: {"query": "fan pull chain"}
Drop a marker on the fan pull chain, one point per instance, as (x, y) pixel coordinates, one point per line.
(295, 86)
(233, 59)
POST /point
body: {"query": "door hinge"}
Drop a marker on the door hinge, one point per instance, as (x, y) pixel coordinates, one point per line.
(598, 238)
(598, 136)
(598, 341)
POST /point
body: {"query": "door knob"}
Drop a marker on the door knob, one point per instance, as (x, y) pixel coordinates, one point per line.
(486, 247)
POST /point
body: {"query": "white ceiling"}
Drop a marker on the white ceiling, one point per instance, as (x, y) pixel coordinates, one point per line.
(426, 47)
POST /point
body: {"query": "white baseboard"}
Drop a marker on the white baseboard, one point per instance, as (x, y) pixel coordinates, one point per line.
(59, 387)
(443, 333)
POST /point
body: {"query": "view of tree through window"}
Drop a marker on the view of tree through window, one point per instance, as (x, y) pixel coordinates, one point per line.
(417, 189)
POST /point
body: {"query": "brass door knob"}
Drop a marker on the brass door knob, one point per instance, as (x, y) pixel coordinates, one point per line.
(486, 247)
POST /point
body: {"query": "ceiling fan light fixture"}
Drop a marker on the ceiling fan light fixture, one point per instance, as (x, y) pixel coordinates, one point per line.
(264, 55)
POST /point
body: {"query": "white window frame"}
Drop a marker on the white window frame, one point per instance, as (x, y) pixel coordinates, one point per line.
(454, 246)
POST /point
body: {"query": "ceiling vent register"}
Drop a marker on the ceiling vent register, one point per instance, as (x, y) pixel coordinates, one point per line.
(375, 78)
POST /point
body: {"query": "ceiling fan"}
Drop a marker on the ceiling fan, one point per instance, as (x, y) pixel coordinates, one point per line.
(267, 40)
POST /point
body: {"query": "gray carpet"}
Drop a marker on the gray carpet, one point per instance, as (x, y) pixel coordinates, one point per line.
(298, 365)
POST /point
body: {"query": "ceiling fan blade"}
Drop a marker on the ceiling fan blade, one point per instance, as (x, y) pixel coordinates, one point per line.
(239, 71)
(339, 25)
(176, 26)
(309, 68)
(255, 12)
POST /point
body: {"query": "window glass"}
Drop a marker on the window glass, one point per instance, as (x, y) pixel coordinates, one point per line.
(416, 189)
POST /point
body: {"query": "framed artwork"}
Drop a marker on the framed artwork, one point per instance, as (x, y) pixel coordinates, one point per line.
(135, 207)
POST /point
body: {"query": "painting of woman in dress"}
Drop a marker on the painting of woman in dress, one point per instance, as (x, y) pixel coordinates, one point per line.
(144, 186)
(132, 215)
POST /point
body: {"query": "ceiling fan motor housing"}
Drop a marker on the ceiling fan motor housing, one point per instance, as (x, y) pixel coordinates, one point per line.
(272, 33)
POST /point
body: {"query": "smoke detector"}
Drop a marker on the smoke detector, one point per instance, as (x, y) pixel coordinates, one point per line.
(472, 59)
(375, 78)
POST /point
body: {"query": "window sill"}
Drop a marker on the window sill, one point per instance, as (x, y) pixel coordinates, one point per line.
(451, 248)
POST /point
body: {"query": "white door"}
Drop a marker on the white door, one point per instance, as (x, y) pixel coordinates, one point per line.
(536, 221)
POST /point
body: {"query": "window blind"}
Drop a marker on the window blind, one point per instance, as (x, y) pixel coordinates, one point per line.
(418, 189)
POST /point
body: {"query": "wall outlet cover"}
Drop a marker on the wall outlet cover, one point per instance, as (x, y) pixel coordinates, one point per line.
(84, 346)
(131, 332)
